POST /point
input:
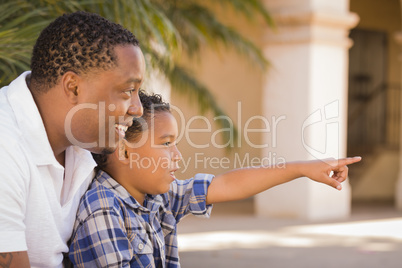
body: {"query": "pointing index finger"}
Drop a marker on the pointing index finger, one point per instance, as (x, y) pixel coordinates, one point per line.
(348, 160)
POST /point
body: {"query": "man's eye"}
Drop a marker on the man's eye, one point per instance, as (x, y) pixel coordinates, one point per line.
(167, 143)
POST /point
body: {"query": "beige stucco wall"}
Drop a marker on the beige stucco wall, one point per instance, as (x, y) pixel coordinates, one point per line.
(236, 84)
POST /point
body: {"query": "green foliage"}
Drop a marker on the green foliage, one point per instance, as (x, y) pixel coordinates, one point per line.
(19, 26)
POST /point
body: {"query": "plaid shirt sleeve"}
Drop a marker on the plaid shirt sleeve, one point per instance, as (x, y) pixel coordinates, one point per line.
(189, 196)
(101, 241)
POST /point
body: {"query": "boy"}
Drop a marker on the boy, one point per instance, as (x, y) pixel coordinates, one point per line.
(129, 215)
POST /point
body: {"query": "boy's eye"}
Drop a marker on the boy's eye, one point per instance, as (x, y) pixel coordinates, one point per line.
(169, 143)
(128, 92)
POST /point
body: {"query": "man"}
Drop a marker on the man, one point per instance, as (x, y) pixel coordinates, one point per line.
(82, 92)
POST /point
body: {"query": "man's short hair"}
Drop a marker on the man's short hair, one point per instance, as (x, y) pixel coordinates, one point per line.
(77, 42)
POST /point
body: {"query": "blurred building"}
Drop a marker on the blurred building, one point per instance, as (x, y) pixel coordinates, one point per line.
(332, 89)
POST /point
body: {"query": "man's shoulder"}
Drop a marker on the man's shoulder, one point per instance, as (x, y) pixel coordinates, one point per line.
(17, 110)
(12, 148)
(9, 130)
(13, 152)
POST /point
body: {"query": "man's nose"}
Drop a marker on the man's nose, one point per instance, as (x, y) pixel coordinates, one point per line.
(135, 109)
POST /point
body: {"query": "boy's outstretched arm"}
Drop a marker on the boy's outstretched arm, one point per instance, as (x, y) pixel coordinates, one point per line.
(242, 183)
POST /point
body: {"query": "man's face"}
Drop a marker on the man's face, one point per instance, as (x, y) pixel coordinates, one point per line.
(107, 102)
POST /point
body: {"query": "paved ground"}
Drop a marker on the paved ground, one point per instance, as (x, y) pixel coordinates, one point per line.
(371, 238)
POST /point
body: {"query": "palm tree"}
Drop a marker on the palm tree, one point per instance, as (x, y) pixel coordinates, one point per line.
(166, 29)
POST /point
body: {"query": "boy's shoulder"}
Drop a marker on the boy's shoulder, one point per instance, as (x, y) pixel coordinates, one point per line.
(98, 198)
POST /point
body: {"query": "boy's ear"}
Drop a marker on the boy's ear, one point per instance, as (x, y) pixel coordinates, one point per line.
(121, 153)
(70, 83)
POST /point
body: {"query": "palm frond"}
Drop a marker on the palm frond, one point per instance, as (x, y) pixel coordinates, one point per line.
(250, 9)
(20, 23)
(149, 24)
(198, 25)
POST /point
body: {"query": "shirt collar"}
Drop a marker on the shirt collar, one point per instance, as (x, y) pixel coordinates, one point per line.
(33, 130)
(30, 122)
(153, 202)
(79, 167)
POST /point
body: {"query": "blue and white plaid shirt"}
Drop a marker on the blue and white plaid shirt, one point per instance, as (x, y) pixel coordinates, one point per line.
(113, 230)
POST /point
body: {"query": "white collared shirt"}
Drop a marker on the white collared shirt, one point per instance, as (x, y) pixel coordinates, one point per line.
(38, 197)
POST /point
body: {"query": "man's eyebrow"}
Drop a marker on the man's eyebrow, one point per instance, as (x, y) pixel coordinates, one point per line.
(133, 80)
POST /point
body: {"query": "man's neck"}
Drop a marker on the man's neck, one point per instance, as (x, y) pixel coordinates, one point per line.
(48, 111)
(61, 158)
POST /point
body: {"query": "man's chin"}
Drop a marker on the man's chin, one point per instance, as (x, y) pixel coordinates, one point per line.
(108, 150)
(104, 150)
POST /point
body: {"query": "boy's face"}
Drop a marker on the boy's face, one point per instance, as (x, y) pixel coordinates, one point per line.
(108, 102)
(153, 163)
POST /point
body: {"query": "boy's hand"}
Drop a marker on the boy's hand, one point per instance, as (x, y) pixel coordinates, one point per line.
(329, 171)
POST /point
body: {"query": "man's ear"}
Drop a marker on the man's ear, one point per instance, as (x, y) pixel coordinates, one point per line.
(121, 153)
(70, 83)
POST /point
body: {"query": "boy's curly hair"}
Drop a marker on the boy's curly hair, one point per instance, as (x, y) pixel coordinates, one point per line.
(77, 42)
(151, 103)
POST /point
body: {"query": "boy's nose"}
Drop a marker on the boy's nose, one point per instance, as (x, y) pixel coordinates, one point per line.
(176, 155)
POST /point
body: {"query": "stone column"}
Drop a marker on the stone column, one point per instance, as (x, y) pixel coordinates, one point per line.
(305, 96)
